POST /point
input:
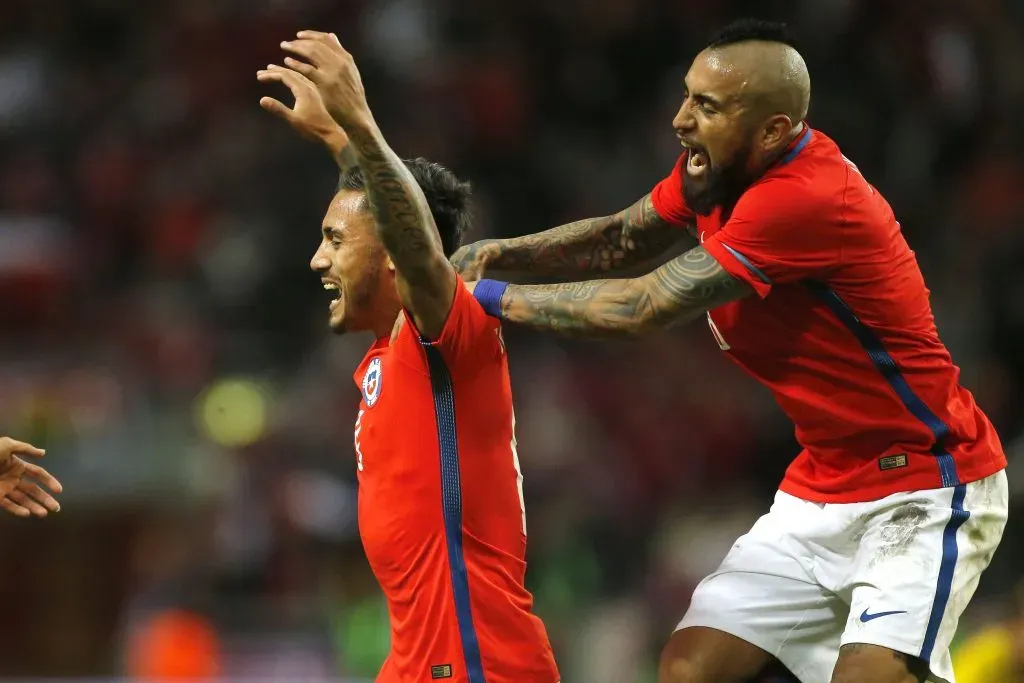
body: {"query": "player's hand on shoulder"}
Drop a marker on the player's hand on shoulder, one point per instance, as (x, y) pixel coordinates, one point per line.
(333, 70)
(308, 116)
(473, 259)
(25, 487)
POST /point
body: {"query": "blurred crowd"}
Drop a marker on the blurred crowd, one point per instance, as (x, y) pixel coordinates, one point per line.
(162, 336)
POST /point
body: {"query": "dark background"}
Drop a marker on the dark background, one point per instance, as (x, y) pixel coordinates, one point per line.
(162, 336)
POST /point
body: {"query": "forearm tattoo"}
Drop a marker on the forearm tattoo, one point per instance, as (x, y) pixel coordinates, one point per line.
(590, 246)
(677, 292)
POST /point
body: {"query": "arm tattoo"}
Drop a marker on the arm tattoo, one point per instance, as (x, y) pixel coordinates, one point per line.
(677, 292)
(400, 210)
(590, 246)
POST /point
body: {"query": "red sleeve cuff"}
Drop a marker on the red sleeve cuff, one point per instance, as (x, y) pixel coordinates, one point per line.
(667, 197)
(738, 265)
(659, 205)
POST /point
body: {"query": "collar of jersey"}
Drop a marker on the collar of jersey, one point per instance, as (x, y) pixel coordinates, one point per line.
(796, 146)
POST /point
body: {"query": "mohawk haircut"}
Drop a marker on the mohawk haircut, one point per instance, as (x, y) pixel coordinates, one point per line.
(744, 30)
(447, 197)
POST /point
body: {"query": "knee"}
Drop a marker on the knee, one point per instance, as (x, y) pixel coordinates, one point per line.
(873, 664)
(689, 667)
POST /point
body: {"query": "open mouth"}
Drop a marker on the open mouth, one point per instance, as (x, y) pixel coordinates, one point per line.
(696, 159)
(336, 290)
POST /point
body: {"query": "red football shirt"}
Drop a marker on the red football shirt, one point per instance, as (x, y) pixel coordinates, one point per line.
(841, 330)
(441, 511)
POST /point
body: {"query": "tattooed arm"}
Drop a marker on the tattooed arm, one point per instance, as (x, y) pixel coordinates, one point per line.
(580, 249)
(679, 291)
(426, 281)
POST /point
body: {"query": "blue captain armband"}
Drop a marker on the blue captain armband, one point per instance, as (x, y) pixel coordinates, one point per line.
(489, 293)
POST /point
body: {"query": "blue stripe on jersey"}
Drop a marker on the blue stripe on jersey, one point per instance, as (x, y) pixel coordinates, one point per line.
(798, 147)
(944, 585)
(451, 496)
(749, 266)
(891, 372)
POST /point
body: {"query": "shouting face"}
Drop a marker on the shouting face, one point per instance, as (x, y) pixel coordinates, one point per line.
(732, 122)
(354, 266)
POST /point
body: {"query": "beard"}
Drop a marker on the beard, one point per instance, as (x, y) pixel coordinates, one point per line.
(721, 186)
(359, 299)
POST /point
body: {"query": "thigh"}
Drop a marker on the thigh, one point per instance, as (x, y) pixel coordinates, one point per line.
(764, 595)
(703, 654)
(698, 654)
(918, 565)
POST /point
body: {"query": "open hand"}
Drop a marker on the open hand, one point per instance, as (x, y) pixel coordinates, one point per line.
(20, 490)
(308, 116)
(335, 75)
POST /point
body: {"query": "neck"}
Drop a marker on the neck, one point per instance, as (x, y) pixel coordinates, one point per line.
(388, 323)
(797, 131)
(774, 157)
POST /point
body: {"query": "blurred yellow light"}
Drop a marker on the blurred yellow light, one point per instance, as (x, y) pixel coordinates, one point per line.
(233, 412)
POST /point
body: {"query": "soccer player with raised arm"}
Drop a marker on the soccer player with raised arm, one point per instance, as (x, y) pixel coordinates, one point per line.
(887, 518)
(441, 512)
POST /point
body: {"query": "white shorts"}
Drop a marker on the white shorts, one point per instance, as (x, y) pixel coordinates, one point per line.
(896, 572)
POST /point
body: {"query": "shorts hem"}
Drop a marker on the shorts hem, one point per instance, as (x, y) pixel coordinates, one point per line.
(740, 632)
(750, 636)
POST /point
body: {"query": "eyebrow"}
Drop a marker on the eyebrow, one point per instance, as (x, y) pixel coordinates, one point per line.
(703, 97)
(331, 231)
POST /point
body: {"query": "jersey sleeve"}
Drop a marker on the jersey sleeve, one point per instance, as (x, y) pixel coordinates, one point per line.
(667, 197)
(778, 233)
(469, 335)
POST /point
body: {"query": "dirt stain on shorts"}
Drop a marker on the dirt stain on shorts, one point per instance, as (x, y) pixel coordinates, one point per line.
(899, 533)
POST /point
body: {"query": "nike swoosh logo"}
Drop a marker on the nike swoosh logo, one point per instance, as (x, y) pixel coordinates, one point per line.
(865, 617)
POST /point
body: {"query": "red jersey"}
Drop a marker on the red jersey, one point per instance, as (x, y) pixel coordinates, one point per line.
(441, 511)
(841, 330)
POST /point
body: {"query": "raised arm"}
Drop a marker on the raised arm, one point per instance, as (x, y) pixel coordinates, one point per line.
(677, 292)
(581, 249)
(426, 280)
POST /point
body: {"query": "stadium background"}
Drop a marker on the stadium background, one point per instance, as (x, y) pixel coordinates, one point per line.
(161, 335)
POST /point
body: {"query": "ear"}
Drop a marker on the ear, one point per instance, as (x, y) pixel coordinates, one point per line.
(775, 133)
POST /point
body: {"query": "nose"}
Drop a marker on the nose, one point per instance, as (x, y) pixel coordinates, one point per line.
(319, 263)
(684, 121)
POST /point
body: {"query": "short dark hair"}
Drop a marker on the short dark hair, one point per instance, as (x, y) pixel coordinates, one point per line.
(744, 30)
(447, 197)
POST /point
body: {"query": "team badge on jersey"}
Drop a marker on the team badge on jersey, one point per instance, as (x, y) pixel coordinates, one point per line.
(371, 383)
